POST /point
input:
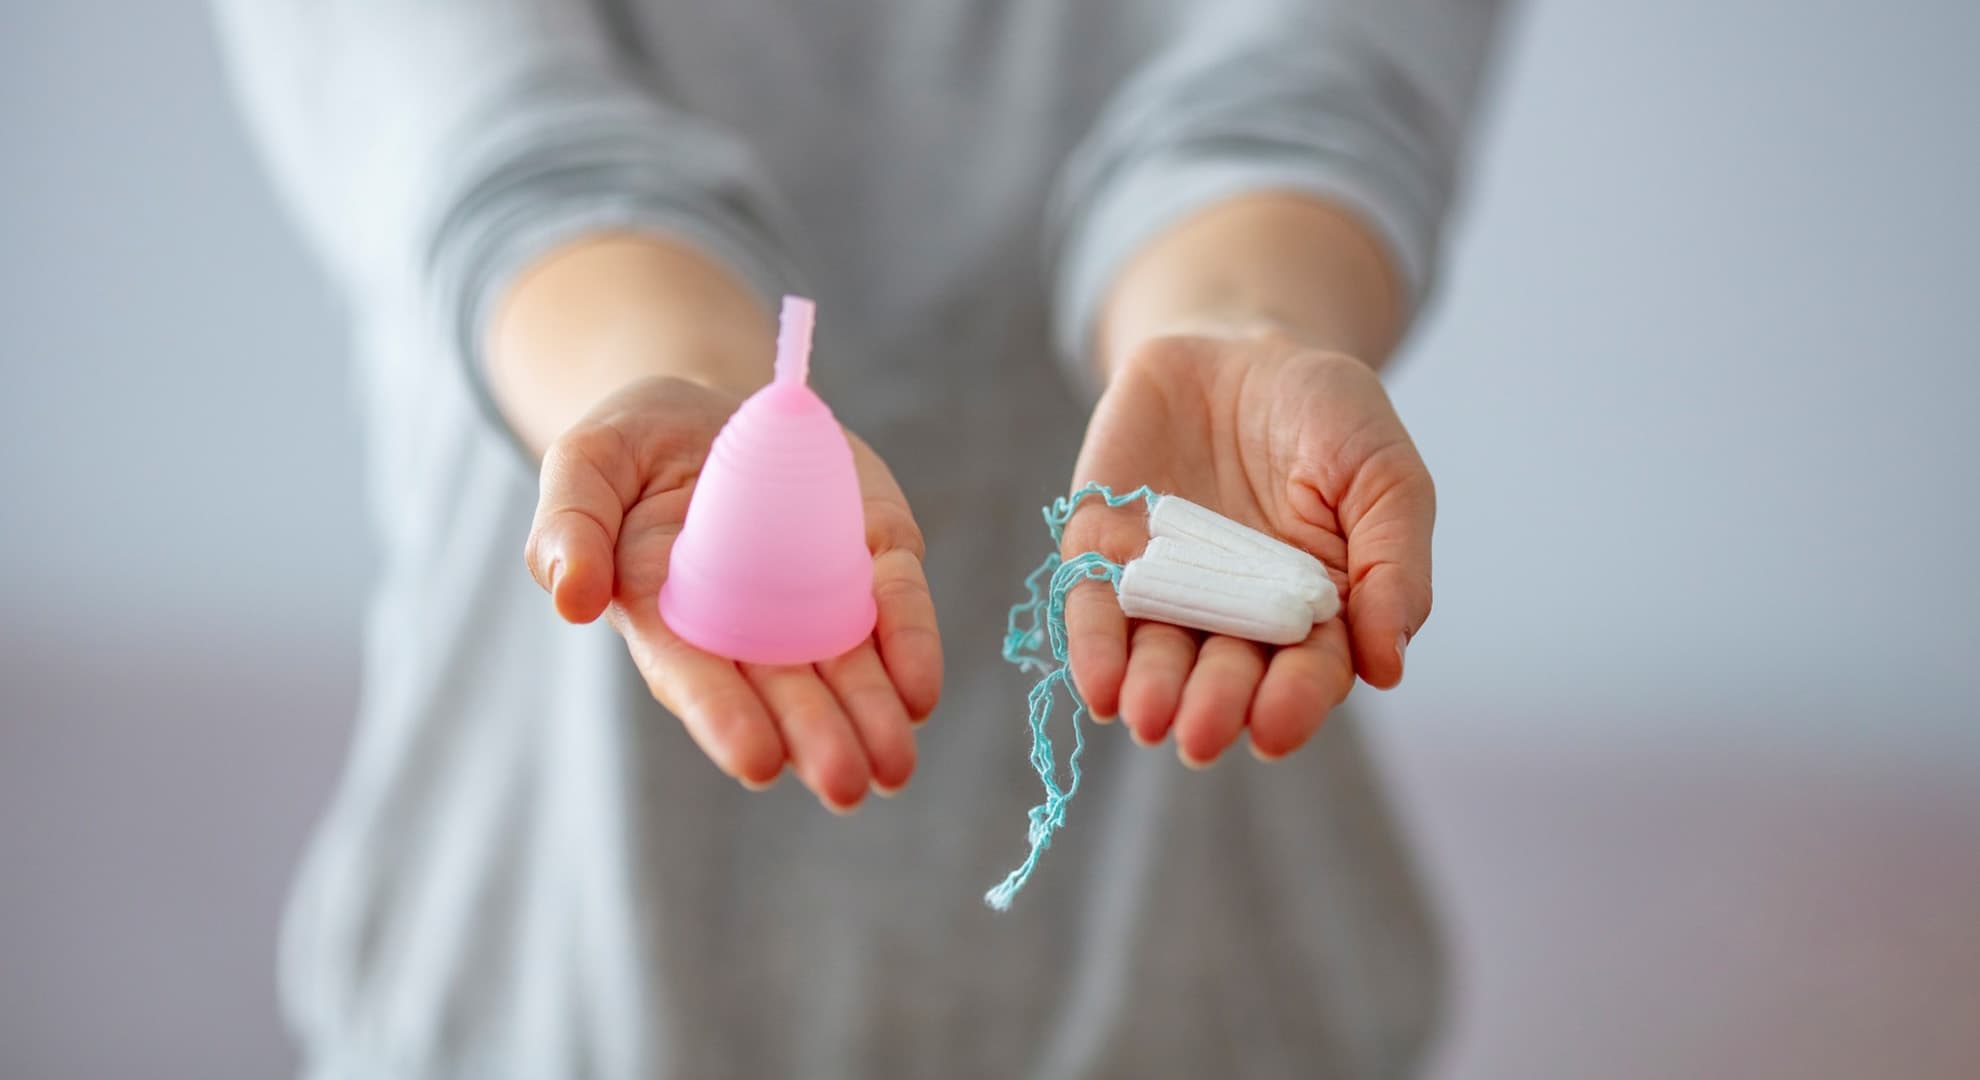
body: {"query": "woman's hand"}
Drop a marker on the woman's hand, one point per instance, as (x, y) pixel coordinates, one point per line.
(1298, 442)
(615, 490)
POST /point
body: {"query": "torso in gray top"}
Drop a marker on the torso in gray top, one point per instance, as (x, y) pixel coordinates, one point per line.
(528, 870)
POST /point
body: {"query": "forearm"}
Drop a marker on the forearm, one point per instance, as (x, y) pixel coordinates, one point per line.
(1292, 262)
(609, 309)
(442, 152)
(1356, 124)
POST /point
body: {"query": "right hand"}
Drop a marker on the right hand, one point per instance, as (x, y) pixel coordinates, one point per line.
(615, 491)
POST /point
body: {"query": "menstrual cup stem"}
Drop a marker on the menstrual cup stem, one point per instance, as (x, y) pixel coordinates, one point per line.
(794, 340)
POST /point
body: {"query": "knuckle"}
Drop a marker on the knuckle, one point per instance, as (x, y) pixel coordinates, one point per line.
(530, 553)
(1092, 598)
(875, 703)
(890, 526)
(573, 446)
(899, 586)
(1159, 355)
(589, 445)
(893, 639)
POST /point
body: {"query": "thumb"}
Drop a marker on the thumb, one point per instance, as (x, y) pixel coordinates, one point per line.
(1388, 513)
(588, 479)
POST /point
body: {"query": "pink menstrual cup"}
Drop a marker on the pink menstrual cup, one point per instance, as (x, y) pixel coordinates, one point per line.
(771, 566)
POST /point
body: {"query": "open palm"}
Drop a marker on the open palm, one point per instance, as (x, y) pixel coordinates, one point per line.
(1300, 443)
(615, 492)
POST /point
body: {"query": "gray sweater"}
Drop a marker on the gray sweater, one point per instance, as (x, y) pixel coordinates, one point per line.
(528, 870)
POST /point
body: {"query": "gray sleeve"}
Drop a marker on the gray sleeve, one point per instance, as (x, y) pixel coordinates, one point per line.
(1364, 104)
(432, 149)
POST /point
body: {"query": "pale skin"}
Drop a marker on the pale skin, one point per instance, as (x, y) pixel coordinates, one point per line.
(1238, 351)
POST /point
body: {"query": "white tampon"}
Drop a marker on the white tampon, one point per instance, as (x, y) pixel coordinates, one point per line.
(1171, 517)
(1312, 585)
(1177, 518)
(1207, 589)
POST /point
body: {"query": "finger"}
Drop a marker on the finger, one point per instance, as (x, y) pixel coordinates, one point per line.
(721, 712)
(1096, 646)
(860, 682)
(1302, 684)
(587, 481)
(1096, 631)
(909, 639)
(1216, 698)
(1388, 513)
(910, 644)
(1159, 659)
(825, 753)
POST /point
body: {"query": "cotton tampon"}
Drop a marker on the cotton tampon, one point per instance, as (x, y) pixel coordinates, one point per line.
(1177, 518)
(1205, 589)
(1171, 517)
(1312, 585)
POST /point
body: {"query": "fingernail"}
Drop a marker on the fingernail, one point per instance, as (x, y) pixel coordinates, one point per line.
(838, 811)
(1139, 739)
(1190, 762)
(1402, 646)
(754, 785)
(883, 790)
(1099, 719)
(1262, 755)
(556, 570)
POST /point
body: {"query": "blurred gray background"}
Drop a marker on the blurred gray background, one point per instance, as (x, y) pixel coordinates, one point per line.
(1691, 742)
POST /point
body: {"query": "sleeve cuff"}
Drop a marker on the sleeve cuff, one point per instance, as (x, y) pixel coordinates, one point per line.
(1144, 206)
(572, 157)
(1311, 107)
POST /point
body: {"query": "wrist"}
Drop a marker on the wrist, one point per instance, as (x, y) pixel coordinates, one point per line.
(1232, 326)
(607, 311)
(1259, 265)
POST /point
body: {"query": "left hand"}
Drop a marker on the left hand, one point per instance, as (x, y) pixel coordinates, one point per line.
(1298, 442)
